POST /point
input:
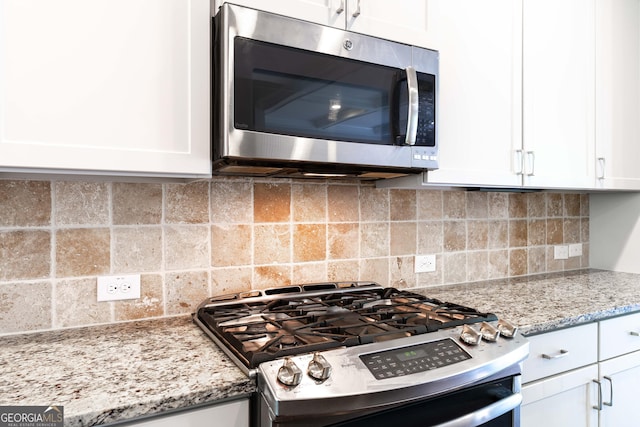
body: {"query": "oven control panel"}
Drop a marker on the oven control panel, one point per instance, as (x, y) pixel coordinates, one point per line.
(417, 358)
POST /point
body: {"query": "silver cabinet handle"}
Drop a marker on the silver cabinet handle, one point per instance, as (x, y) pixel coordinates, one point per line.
(357, 12)
(519, 162)
(610, 402)
(531, 156)
(563, 353)
(599, 405)
(600, 173)
(412, 119)
(340, 8)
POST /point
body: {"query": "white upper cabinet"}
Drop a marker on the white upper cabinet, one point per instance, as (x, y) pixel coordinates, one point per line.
(618, 94)
(111, 87)
(480, 91)
(404, 21)
(558, 93)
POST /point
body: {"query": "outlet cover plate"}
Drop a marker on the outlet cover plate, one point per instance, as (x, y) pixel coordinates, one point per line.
(561, 252)
(115, 288)
(425, 263)
(575, 249)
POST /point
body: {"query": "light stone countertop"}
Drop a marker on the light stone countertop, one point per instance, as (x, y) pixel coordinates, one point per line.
(105, 374)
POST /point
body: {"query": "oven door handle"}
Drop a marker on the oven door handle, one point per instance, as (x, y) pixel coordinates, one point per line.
(487, 413)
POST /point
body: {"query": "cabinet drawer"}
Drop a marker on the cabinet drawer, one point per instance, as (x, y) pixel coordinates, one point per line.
(619, 336)
(559, 351)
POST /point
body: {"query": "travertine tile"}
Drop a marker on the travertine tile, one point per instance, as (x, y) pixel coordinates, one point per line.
(342, 271)
(430, 237)
(343, 204)
(555, 231)
(150, 303)
(477, 266)
(25, 307)
(498, 264)
(83, 252)
(537, 205)
(498, 234)
(477, 205)
(584, 205)
(76, 304)
(82, 203)
(343, 241)
(429, 204)
(584, 233)
(402, 205)
(230, 245)
(453, 204)
(374, 204)
(271, 202)
(25, 254)
(271, 276)
(309, 203)
(402, 272)
(554, 204)
(571, 205)
(517, 205)
(185, 291)
(477, 234)
(136, 203)
(518, 262)
(572, 230)
(455, 267)
(137, 250)
(375, 270)
(403, 237)
(309, 272)
(272, 244)
(518, 233)
(537, 232)
(25, 203)
(309, 242)
(187, 203)
(553, 264)
(455, 236)
(537, 260)
(230, 280)
(498, 205)
(374, 239)
(231, 201)
(186, 246)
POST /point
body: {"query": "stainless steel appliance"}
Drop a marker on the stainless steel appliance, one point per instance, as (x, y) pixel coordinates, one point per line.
(294, 98)
(358, 354)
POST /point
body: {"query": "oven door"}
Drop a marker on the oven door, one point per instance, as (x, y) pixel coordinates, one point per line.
(295, 91)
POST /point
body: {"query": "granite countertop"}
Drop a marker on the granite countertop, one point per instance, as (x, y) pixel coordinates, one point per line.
(543, 303)
(104, 374)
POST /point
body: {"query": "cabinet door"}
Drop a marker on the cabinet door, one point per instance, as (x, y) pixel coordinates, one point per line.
(620, 391)
(618, 94)
(563, 400)
(105, 86)
(324, 12)
(480, 91)
(558, 93)
(229, 414)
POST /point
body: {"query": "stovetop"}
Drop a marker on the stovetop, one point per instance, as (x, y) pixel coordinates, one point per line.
(267, 325)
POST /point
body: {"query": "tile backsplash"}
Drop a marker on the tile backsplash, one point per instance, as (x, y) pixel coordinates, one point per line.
(225, 235)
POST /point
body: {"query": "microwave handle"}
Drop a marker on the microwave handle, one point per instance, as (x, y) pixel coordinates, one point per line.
(412, 119)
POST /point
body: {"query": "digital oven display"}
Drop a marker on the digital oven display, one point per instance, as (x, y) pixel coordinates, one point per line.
(413, 359)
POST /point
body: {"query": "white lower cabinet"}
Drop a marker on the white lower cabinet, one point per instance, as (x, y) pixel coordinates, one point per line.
(583, 376)
(228, 414)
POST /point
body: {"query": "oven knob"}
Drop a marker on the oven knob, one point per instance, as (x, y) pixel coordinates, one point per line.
(319, 369)
(470, 336)
(289, 374)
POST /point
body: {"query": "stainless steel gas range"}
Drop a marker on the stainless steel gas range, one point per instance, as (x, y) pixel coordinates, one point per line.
(359, 354)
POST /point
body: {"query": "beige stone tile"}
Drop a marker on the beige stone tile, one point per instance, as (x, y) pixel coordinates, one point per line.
(402, 272)
(477, 266)
(584, 205)
(454, 204)
(25, 307)
(572, 230)
(518, 233)
(309, 203)
(25, 203)
(185, 291)
(584, 262)
(537, 260)
(309, 242)
(498, 264)
(537, 232)
(403, 236)
(571, 204)
(230, 280)
(374, 239)
(375, 270)
(498, 234)
(553, 264)
(187, 203)
(455, 267)
(231, 201)
(455, 236)
(271, 276)
(518, 262)
(186, 246)
(230, 245)
(343, 271)
(343, 205)
(136, 250)
(430, 237)
(136, 203)
(25, 254)
(477, 205)
(343, 241)
(477, 234)
(271, 202)
(150, 303)
(309, 272)
(517, 205)
(537, 205)
(572, 263)
(81, 203)
(584, 233)
(432, 278)
(402, 205)
(77, 305)
(83, 252)
(555, 231)
(429, 204)
(272, 244)
(554, 204)
(498, 205)
(374, 204)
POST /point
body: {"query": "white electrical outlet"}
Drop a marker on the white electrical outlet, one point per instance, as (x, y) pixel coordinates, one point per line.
(425, 263)
(114, 288)
(575, 249)
(561, 252)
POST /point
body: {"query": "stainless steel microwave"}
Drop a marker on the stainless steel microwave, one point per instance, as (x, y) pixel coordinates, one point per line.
(294, 98)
